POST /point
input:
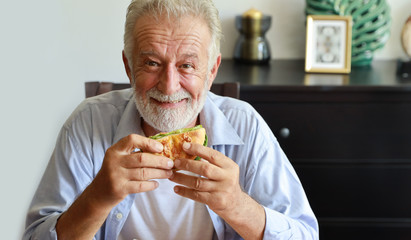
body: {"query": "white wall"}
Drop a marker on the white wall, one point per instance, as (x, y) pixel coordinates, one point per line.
(49, 48)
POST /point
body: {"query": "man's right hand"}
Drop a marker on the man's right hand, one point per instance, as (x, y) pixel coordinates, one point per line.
(123, 172)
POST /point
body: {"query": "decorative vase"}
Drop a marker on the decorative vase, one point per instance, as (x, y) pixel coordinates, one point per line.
(371, 24)
(252, 47)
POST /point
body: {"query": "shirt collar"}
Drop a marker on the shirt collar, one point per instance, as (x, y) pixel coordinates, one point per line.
(218, 128)
(130, 121)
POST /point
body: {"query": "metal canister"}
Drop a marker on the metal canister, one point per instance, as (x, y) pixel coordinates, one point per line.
(252, 46)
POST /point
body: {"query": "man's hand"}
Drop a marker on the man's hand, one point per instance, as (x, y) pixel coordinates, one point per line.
(219, 188)
(123, 172)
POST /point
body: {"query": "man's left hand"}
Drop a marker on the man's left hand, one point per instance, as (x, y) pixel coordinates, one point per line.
(218, 186)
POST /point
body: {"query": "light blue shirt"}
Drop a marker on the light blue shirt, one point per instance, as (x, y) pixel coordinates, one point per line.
(233, 127)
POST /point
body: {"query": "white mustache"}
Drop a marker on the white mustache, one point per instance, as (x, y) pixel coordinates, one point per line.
(175, 97)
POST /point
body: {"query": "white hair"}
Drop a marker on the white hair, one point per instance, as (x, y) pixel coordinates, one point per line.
(174, 9)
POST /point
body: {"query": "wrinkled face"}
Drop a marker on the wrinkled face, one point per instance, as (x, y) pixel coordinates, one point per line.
(169, 71)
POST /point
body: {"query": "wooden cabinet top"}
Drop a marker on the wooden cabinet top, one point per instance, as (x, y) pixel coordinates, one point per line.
(290, 74)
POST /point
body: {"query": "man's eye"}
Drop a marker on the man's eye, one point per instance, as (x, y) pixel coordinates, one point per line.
(186, 65)
(152, 64)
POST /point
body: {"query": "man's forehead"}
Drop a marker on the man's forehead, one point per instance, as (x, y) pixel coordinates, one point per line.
(187, 25)
(154, 52)
(159, 40)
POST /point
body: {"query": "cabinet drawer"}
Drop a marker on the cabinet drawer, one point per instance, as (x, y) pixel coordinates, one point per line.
(353, 190)
(362, 231)
(339, 129)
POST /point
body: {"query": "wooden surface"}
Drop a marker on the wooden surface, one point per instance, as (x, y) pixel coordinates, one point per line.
(286, 73)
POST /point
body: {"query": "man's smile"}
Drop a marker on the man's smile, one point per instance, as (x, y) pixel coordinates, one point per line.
(170, 103)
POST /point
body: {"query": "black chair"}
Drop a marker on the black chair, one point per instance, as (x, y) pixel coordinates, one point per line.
(229, 89)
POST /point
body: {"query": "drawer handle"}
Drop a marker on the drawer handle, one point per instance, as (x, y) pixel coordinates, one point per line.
(284, 132)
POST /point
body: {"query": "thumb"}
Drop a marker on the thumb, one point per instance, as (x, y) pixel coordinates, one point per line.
(133, 141)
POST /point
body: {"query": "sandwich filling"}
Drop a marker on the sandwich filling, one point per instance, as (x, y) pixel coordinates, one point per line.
(173, 141)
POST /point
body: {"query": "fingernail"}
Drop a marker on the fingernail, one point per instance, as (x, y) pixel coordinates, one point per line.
(158, 147)
(170, 164)
(186, 145)
(177, 162)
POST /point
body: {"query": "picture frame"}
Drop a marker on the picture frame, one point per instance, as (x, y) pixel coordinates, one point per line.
(328, 44)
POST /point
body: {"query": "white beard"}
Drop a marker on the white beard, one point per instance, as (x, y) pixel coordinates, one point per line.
(166, 120)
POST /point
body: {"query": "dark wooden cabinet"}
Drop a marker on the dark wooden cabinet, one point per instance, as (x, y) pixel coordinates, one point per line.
(347, 136)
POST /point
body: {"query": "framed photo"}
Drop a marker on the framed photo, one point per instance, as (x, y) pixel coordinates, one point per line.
(328, 44)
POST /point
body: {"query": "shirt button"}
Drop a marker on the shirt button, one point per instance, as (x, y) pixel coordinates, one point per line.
(119, 216)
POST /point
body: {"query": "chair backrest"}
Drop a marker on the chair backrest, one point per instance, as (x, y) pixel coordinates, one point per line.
(229, 89)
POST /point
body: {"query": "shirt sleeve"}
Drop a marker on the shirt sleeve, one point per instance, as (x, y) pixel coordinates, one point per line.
(279, 226)
(288, 213)
(67, 174)
(273, 182)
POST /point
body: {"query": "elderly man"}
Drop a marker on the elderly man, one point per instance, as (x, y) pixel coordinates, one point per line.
(98, 185)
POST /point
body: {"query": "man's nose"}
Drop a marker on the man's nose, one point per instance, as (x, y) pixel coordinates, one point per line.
(169, 82)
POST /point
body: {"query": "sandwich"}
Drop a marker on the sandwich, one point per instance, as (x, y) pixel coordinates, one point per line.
(173, 141)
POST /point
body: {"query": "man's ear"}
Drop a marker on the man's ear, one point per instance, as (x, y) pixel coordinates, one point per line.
(214, 70)
(127, 67)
